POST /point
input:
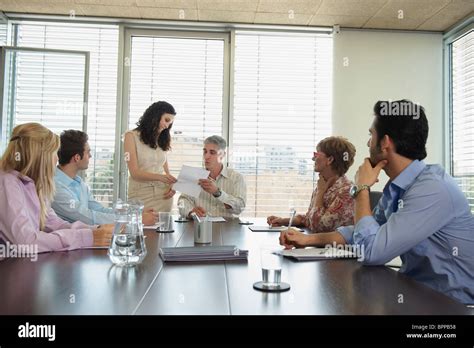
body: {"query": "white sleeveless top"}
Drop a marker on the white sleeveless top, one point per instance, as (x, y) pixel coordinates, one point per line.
(149, 192)
(149, 160)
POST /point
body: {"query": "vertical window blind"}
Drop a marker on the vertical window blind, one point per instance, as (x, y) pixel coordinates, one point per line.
(463, 114)
(102, 43)
(187, 73)
(282, 109)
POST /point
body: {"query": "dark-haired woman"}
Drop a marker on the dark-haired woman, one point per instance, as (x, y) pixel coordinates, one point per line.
(146, 150)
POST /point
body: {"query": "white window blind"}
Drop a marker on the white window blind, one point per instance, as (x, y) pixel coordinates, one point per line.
(102, 43)
(48, 88)
(188, 74)
(3, 33)
(282, 109)
(463, 114)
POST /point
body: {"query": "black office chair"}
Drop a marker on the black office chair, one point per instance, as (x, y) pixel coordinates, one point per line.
(374, 198)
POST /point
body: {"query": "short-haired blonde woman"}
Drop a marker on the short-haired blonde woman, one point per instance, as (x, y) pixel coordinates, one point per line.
(27, 188)
(331, 205)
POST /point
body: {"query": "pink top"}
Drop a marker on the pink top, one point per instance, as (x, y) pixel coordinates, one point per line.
(19, 218)
(337, 210)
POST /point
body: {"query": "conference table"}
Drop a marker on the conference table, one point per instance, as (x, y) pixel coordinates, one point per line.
(86, 282)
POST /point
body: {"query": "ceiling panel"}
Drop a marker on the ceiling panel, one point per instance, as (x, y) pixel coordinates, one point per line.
(284, 6)
(351, 7)
(168, 3)
(228, 5)
(168, 13)
(343, 21)
(282, 18)
(393, 23)
(110, 11)
(226, 16)
(434, 15)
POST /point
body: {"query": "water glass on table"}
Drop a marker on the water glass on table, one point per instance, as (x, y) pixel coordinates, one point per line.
(271, 263)
(164, 222)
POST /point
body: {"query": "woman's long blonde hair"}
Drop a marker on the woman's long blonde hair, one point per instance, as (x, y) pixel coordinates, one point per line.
(30, 152)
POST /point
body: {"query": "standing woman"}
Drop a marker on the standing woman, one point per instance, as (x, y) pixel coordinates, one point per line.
(146, 150)
(26, 190)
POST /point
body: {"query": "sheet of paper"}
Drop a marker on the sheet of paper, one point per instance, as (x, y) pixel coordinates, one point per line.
(188, 180)
(152, 227)
(318, 253)
(270, 229)
(216, 219)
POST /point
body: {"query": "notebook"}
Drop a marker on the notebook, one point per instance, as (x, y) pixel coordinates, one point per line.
(271, 229)
(204, 253)
(311, 254)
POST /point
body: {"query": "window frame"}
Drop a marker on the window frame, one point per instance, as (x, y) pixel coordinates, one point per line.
(15, 48)
(125, 87)
(449, 38)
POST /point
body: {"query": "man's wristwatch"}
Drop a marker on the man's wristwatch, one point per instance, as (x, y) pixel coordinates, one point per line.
(218, 193)
(355, 189)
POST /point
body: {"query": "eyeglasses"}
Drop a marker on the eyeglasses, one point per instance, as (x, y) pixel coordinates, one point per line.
(316, 155)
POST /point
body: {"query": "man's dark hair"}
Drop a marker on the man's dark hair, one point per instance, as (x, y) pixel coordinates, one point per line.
(405, 123)
(149, 124)
(73, 142)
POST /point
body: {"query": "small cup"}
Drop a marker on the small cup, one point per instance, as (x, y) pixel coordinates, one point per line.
(203, 232)
(271, 267)
(164, 221)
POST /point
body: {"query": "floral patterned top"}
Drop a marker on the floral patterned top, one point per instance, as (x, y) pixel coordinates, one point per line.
(337, 210)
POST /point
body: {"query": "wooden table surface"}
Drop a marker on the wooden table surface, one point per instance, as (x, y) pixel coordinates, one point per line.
(86, 282)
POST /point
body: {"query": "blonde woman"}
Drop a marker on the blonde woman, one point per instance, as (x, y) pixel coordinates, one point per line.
(146, 150)
(27, 188)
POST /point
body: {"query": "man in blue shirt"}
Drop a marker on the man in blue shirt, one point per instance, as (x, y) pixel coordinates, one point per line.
(73, 200)
(423, 216)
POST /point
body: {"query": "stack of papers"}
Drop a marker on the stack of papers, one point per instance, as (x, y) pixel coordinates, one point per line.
(318, 254)
(205, 253)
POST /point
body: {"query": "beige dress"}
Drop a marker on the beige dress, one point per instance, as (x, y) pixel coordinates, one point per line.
(149, 192)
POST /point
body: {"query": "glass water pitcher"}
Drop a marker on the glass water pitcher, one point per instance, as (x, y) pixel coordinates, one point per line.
(127, 247)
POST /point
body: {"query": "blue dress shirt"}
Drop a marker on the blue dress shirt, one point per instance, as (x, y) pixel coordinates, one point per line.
(424, 218)
(73, 201)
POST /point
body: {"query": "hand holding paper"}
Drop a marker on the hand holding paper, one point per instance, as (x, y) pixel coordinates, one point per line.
(188, 180)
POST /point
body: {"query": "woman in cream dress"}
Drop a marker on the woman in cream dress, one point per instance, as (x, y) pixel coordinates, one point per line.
(146, 150)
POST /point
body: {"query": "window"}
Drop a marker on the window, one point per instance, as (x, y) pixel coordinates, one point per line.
(161, 69)
(189, 74)
(463, 114)
(280, 106)
(102, 43)
(282, 109)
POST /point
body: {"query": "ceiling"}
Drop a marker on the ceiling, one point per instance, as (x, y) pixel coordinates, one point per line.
(432, 15)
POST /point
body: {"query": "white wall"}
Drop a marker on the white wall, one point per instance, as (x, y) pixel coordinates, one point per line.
(386, 65)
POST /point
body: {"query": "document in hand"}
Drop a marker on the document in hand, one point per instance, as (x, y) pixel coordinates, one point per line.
(188, 180)
(206, 253)
(311, 254)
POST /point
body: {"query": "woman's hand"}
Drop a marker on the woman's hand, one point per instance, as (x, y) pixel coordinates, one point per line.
(167, 179)
(169, 194)
(149, 217)
(275, 221)
(103, 235)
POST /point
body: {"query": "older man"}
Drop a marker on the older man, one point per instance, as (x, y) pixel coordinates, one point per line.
(224, 192)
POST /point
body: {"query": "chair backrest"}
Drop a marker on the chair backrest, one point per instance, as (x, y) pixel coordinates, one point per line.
(374, 198)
